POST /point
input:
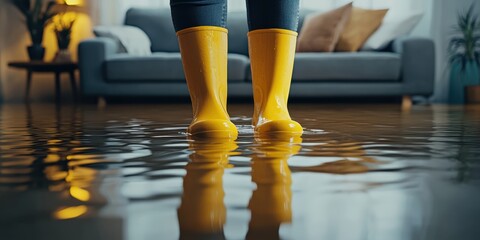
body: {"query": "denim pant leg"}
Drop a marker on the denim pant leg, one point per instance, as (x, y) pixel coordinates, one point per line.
(264, 14)
(193, 13)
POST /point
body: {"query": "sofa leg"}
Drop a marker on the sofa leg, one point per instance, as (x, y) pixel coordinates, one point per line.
(101, 102)
(406, 102)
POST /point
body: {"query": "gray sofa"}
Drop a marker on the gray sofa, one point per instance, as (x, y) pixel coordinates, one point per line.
(405, 68)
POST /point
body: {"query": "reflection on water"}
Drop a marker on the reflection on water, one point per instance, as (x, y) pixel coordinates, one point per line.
(202, 212)
(271, 201)
(130, 172)
(70, 212)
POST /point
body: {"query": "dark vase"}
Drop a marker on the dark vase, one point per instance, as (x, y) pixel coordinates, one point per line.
(36, 52)
(63, 39)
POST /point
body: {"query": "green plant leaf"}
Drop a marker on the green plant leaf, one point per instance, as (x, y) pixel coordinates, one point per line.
(458, 40)
(461, 23)
(462, 48)
(48, 10)
(473, 23)
(470, 11)
(459, 58)
(29, 21)
(456, 57)
(456, 43)
(477, 58)
(37, 7)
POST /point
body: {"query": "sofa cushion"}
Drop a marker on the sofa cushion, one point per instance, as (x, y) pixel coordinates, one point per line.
(130, 39)
(157, 24)
(321, 31)
(362, 24)
(163, 67)
(395, 25)
(360, 66)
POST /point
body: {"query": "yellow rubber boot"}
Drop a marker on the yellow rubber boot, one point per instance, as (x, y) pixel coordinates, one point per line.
(204, 57)
(272, 53)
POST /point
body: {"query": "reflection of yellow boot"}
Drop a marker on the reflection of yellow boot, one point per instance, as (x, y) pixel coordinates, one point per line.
(204, 57)
(270, 204)
(272, 53)
(202, 212)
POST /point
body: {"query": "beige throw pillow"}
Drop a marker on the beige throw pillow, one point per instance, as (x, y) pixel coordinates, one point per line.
(320, 32)
(362, 24)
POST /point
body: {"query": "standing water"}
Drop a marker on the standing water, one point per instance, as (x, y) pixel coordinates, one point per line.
(131, 172)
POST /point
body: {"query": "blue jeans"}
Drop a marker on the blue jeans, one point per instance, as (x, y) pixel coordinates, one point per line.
(262, 14)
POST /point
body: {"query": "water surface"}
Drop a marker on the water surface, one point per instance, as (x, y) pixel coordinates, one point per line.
(131, 172)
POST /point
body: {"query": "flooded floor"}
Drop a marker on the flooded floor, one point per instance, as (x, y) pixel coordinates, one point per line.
(130, 172)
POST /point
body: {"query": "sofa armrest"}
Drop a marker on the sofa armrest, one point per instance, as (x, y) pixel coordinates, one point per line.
(92, 54)
(418, 64)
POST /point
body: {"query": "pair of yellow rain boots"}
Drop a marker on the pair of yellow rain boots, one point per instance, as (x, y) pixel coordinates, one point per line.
(204, 51)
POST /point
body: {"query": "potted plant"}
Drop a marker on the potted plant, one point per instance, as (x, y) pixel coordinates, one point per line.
(464, 51)
(37, 16)
(63, 24)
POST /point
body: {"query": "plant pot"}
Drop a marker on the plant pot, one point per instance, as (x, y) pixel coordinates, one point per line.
(63, 38)
(472, 94)
(471, 76)
(456, 88)
(460, 78)
(36, 52)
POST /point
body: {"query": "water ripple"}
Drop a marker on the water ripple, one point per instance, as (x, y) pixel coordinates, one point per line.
(127, 161)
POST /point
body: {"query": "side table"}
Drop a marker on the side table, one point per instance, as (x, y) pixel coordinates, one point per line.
(56, 68)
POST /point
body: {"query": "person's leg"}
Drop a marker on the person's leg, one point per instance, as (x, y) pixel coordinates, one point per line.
(195, 13)
(265, 14)
(272, 39)
(202, 36)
